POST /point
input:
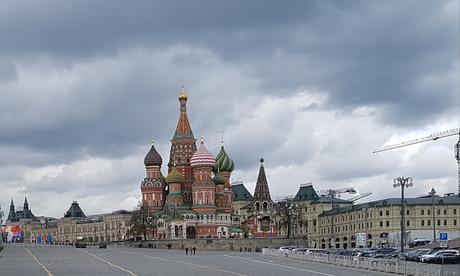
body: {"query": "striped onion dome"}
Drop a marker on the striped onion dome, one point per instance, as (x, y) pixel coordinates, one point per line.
(218, 179)
(174, 176)
(223, 161)
(202, 157)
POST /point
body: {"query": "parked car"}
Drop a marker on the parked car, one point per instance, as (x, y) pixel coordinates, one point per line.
(415, 255)
(103, 244)
(316, 251)
(286, 248)
(300, 250)
(443, 256)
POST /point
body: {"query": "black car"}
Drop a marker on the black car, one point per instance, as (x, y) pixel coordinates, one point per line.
(103, 244)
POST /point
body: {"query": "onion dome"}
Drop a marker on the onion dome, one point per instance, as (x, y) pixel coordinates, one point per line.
(202, 157)
(174, 176)
(183, 95)
(218, 179)
(153, 158)
(223, 161)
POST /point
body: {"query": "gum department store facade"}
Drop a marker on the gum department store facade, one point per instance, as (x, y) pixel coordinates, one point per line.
(197, 200)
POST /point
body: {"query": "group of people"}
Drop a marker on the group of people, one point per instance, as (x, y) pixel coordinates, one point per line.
(192, 251)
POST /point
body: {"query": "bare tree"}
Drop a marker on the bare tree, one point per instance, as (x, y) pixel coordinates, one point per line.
(142, 221)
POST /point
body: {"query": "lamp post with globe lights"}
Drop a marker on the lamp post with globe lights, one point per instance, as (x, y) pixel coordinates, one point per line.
(403, 182)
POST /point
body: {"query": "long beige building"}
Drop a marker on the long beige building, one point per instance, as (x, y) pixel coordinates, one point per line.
(111, 227)
(376, 223)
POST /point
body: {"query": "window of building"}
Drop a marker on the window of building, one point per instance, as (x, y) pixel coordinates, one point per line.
(387, 212)
(429, 212)
(455, 222)
(422, 212)
(428, 222)
(455, 211)
(439, 222)
(387, 223)
(445, 222)
(407, 212)
(445, 212)
(381, 223)
(381, 213)
(408, 223)
(439, 212)
(422, 223)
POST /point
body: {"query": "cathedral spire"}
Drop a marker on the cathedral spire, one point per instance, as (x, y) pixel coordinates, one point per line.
(183, 129)
(262, 192)
(26, 204)
(12, 213)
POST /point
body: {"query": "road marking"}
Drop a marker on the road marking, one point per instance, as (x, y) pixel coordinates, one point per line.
(180, 262)
(108, 262)
(286, 266)
(38, 262)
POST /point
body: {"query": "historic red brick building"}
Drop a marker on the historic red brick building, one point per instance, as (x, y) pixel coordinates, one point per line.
(195, 198)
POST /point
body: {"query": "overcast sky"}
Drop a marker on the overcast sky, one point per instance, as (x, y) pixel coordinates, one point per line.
(315, 85)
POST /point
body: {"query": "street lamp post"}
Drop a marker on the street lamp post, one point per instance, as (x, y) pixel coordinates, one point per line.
(403, 182)
(432, 194)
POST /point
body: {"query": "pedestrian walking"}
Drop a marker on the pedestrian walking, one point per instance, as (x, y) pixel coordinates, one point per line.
(186, 251)
(194, 250)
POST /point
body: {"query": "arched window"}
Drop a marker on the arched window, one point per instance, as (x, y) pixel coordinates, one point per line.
(265, 206)
(257, 206)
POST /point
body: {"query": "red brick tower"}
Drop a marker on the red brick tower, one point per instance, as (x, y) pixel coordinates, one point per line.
(182, 148)
(153, 185)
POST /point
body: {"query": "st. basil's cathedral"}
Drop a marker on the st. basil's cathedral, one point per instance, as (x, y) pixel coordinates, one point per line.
(195, 199)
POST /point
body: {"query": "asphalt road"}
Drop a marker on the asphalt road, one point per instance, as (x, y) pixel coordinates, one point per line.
(20, 260)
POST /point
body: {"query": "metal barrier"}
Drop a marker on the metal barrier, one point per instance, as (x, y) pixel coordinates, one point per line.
(377, 264)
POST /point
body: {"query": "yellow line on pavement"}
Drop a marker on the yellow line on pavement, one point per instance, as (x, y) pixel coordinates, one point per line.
(38, 262)
(108, 262)
(180, 262)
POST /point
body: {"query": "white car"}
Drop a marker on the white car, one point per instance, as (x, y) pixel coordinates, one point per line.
(286, 248)
(300, 250)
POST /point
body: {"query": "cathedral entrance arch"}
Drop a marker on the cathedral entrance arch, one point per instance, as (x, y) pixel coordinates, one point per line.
(190, 232)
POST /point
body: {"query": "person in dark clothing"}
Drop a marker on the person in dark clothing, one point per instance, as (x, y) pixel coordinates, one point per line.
(186, 251)
(194, 250)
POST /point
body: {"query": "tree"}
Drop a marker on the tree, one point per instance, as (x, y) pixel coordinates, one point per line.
(142, 221)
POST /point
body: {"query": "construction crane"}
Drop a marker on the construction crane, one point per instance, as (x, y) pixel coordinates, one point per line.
(336, 192)
(431, 137)
(360, 196)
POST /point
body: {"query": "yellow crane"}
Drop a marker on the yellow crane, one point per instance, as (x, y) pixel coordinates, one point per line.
(431, 137)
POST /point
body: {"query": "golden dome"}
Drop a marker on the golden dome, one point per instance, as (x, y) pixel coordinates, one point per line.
(183, 95)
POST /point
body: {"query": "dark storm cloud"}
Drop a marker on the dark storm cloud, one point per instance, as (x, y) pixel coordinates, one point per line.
(362, 52)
